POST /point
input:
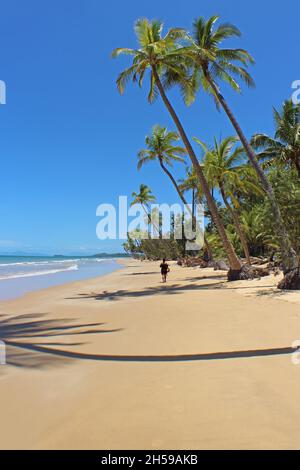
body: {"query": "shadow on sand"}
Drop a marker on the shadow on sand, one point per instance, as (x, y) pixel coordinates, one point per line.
(158, 358)
(24, 335)
(165, 289)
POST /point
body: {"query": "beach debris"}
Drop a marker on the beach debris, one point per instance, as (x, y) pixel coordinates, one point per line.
(247, 273)
(258, 261)
(220, 265)
(291, 280)
(192, 262)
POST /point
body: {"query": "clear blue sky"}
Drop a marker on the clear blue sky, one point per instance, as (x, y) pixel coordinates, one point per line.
(69, 141)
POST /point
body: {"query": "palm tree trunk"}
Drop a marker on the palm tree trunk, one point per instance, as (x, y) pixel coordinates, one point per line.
(150, 219)
(237, 225)
(193, 204)
(289, 257)
(234, 262)
(184, 201)
(297, 164)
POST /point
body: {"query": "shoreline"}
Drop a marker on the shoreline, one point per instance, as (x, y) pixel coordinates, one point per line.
(51, 279)
(124, 361)
(248, 288)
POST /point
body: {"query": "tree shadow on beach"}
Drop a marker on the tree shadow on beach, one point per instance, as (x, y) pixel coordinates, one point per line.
(142, 273)
(203, 278)
(24, 334)
(165, 289)
(24, 337)
(226, 355)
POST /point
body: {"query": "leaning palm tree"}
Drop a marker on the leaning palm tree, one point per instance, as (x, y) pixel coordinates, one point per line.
(144, 197)
(161, 146)
(284, 148)
(159, 55)
(224, 168)
(213, 64)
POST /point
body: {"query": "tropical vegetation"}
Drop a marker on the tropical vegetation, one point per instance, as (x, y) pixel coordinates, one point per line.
(252, 199)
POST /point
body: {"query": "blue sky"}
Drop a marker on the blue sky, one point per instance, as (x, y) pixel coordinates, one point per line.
(69, 140)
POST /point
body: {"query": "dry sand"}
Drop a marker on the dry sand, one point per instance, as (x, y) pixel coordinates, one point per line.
(125, 362)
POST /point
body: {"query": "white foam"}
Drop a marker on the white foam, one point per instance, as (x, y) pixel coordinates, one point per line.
(39, 273)
(39, 263)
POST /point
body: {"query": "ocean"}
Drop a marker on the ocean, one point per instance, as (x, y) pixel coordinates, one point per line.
(22, 274)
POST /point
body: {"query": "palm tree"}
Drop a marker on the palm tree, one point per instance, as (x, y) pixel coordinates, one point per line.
(159, 55)
(191, 183)
(144, 197)
(223, 167)
(160, 147)
(284, 148)
(211, 64)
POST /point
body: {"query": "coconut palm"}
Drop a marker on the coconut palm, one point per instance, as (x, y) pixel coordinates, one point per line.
(284, 148)
(224, 168)
(213, 64)
(159, 55)
(258, 235)
(161, 146)
(144, 197)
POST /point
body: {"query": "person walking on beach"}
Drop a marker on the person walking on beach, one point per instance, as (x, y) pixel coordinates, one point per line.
(164, 269)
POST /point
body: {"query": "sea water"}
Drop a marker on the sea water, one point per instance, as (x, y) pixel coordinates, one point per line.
(22, 274)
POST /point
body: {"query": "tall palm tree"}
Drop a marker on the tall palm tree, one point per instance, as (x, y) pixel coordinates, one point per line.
(145, 197)
(161, 146)
(159, 55)
(284, 148)
(212, 64)
(224, 167)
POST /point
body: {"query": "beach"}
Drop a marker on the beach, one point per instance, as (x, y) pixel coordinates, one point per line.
(125, 362)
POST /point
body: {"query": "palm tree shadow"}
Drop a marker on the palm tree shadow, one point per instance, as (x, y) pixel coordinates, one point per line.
(273, 293)
(162, 358)
(26, 335)
(142, 273)
(165, 289)
(203, 278)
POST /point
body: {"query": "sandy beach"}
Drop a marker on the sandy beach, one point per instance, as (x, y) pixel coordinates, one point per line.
(125, 362)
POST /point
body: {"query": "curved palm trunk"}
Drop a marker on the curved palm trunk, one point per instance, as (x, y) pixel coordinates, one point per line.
(237, 225)
(289, 257)
(234, 262)
(184, 201)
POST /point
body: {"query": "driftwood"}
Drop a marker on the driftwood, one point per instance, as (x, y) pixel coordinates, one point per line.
(291, 280)
(192, 262)
(220, 265)
(247, 273)
(258, 261)
(260, 272)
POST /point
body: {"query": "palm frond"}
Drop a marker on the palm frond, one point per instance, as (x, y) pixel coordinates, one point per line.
(125, 77)
(123, 50)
